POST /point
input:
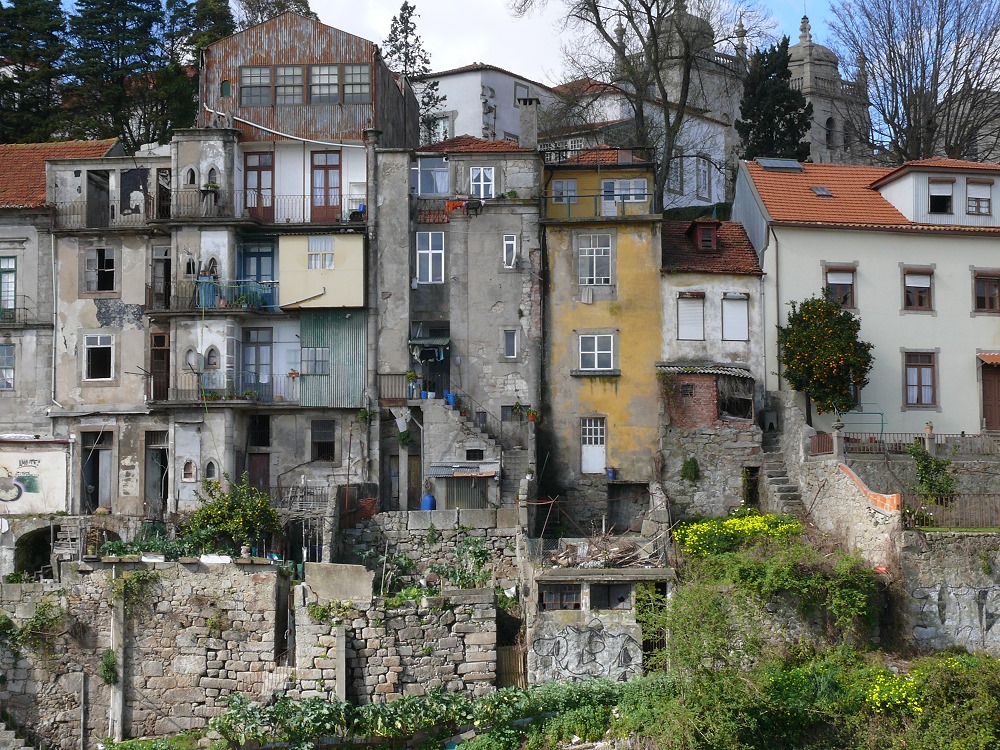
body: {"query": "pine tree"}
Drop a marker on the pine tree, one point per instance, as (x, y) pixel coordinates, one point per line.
(251, 12)
(774, 117)
(212, 21)
(32, 46)
(403, 51)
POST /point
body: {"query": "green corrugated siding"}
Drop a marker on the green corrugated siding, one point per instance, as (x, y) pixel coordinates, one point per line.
(344, 333)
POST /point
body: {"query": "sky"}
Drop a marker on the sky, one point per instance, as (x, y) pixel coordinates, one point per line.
(459, 33)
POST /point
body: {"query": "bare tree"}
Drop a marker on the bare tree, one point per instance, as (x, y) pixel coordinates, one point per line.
(932, 73)
(663, 60)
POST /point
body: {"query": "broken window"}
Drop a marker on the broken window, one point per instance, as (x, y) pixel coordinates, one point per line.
(735, 397)
(323, 445)
(99, 270)
(611, 596)
(96, 469)
(553, 596)
(99, 356)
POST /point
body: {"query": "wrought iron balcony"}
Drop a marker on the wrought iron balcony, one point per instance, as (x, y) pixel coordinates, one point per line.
(226, 388)
(209, 293)
(265, 207)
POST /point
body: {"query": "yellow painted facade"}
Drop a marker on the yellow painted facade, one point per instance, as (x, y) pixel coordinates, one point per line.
(343, 285)
(629, 308)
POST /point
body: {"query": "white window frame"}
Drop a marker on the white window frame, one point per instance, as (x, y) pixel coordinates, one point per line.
(430, 257)
(8, 285)
(314, 360)
(591, 248)
(633, 191)
(510, 251)
(593, 347)
(593, 433)
(93, 268)
(842, 277)
(321, 253)
(735, 317)
(564, 191)
(675, 173)
(978, 198)
(941, 189)
(510, 343)
(703, 177)
(433, 168)
(481, 183)
(8, 363)
(691, 317)
(98, 341)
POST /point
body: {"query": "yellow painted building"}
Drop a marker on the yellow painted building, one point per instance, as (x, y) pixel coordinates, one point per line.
(322, 271)
(600, 431)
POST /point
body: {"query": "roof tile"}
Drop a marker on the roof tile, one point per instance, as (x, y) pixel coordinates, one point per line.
(733, 253)
(469, 144)
(22, 168)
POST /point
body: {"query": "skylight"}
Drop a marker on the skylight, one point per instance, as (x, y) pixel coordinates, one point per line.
(772, 164)
(821, 190)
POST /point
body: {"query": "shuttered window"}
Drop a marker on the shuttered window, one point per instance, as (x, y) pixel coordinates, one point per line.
(691, 318)
(735, 318)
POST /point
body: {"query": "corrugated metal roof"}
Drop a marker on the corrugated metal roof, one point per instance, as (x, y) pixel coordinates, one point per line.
(736, 372)
(989, 358)
(464, 469)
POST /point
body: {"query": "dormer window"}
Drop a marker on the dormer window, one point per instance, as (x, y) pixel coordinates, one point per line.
(707, 237)
(978, 202)
(941, 196)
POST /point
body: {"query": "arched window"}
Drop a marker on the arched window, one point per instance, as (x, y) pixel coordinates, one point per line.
(213, 177)
(210, 470)
(190, 178)
(831, 127)
(191, 359)
(190, 471)
(213, 267)
(190, 268)
(225, 88)
(212, 358)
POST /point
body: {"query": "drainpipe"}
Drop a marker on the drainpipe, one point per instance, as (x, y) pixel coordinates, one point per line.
(372, 290)
(55, 315)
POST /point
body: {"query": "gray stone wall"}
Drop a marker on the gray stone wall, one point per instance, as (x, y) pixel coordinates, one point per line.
(430, 537)
(384, 652)
(899, 473)
(951, 587)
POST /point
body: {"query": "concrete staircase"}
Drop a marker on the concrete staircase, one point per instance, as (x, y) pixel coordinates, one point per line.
(515, 463)
(8, 740)
(782, 492)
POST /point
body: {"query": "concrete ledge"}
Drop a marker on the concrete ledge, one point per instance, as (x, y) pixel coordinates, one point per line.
(421, 520)
(507, 518)
(485, 518)
(331, 581)
(469, 596)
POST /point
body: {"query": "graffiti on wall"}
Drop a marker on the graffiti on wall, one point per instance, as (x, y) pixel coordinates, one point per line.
(594, 650)
(958, 615)
(32, 482)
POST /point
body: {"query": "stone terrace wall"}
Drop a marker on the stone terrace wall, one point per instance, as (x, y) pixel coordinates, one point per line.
(899, 474)
(952, 582)
(385, 652)
(205, 631)
(410, 533)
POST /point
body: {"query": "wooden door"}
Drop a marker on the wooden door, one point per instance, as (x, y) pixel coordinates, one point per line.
(159, 364)
(325, 185)
(259, 470)
(414, 490)
(991, 396)
(259, 179)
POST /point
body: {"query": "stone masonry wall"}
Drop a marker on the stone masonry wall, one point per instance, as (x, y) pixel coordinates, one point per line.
(429, 537)
(385, 652)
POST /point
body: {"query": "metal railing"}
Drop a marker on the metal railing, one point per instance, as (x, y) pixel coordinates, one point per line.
(209, 293)
(603, 155)
(968, 512)
(16, 314)
(821, 444)
(481, 417)
(393, 386)
(105, 212)
(215, 386)
(265, 206)
(897, 442)
(588, 206)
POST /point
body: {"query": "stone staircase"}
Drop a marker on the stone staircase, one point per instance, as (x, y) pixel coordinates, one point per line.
(515, 463)
(781, 490)
(9, 741)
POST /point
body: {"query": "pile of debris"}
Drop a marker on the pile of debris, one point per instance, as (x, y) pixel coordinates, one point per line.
(606, 551)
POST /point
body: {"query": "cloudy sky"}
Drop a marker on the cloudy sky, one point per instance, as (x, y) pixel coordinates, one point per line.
(459, 33)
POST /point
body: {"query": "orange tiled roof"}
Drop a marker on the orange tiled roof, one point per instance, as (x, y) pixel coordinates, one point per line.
(789, 198)
(469, 144)
(605, 154)
(22, 167)
(733, 252)
(937, 164)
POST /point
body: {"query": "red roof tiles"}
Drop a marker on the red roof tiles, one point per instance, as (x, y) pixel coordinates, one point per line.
(733, 252)
(468, 144)
(22, 167)
(937, 164)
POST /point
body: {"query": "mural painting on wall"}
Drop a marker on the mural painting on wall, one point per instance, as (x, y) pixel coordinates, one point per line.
(591, 651)
(32, 482)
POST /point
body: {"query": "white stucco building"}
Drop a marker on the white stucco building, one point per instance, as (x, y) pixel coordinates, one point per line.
(913, 252)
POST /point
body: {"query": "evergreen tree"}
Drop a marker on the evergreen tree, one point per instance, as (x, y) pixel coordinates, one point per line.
(403, 51)
(212, 21)
(774, 117)
(251, 12)
(822, 355)
(32, 46)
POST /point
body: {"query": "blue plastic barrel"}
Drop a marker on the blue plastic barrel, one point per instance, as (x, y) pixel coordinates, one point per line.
(427, 502)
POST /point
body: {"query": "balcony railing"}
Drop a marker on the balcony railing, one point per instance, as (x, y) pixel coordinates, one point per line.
(208, 293)
(106, 212)
(602, 155)
(897, 442)
(219, 386)
(394, 387)
(610, 205)
(952, 512)
(15, 314)
(265, 207)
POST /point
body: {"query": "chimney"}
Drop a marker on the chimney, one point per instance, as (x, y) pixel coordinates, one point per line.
(529, 122)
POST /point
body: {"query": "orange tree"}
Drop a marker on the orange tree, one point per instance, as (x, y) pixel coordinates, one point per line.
(822, 355)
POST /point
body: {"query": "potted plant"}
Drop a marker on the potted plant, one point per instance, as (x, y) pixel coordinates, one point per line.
(532, 415)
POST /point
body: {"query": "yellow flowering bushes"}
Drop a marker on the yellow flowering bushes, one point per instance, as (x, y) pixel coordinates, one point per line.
(718, 535)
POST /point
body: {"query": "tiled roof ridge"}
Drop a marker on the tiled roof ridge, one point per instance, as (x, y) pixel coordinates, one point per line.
(473, 144)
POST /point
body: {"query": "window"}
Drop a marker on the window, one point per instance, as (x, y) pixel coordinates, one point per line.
(8, 287)
(521, 91)
(564, 191)
(840, 286)
(675, 173)
(611, 596)
(210, 470)
(691, 316)
(321, 253)
(357, 84)
(189, 178)
(323, 445)
(940, 197)
(597, 351)
(212, 358)
(189, 473)
(687, 390)
(288, 84)
(430, 257)
(831, 129)
(255, 86)
(323, 84)
(99, 270)
(917, 290)
(703, 178)
(595, 259)
(734, 396)
(510, 343)
(978, 200)
(482, 182)
(735, 317)
(6, 367)
(315, 360)
(558, 596)
(429, 176)
(509, 250)
(987, 293)
(99, 349)
(706, 238)
(259, 431)
(632, 191)
(920, 378)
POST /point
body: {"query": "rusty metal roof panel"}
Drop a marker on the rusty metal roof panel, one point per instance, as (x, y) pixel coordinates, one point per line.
(292, 39)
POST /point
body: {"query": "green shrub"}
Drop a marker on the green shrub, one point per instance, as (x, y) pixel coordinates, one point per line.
(108, 671)
(717, 535)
